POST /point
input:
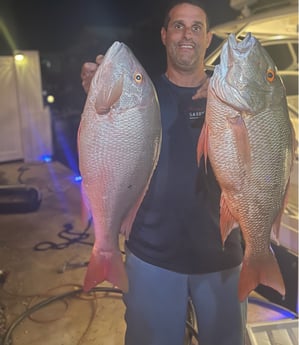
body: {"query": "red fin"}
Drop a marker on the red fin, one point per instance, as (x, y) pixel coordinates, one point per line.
(105, 101)
(262, 270)
(227, 221)
(202, 144)
(106, 266)
(241, 136)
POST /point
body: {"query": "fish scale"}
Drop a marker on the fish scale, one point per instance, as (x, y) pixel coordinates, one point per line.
(248, 139)
(119, 140)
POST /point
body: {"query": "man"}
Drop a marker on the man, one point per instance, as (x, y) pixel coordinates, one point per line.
(175, 251)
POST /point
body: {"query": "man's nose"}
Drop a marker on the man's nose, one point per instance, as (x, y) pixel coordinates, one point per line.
(188, 32)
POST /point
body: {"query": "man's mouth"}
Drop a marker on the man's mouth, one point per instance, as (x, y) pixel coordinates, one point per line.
(186, 45)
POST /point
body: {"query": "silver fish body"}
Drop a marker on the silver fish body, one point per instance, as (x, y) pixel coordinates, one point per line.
(119, 140)
(248, 138)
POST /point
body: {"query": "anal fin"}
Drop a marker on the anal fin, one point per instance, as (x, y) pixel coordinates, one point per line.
(227, 220)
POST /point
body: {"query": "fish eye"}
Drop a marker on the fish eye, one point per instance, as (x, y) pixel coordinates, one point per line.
(270, 75)
(138, 78)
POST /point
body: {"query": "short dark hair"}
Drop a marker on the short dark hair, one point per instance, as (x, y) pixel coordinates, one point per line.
(174, 3)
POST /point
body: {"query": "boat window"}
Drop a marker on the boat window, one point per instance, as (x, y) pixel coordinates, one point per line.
(281, 55)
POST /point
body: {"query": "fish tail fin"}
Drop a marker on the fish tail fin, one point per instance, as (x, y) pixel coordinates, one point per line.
(262, 270)
(202, 145)
(107, 266)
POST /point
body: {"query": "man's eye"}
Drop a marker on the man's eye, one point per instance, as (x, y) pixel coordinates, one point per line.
(178, 26)
(196, 28)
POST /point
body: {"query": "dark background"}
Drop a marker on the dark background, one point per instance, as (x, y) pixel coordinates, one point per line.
(69, 32)
(55, 25)
(66, 33)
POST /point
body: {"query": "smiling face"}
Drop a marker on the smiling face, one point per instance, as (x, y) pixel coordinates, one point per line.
(186, 37)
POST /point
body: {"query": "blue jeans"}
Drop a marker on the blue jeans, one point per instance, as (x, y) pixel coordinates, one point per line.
(156, 305)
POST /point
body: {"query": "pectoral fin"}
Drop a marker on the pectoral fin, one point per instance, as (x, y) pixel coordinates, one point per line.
(107, 97)
(240, 132)
(202, 145)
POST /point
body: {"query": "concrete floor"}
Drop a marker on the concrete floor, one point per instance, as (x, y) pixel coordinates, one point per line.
(36, 260)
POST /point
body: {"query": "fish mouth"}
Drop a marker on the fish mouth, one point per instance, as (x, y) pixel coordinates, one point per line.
(241, 46)
(114, 50)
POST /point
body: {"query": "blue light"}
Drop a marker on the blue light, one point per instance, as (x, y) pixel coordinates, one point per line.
(46, 158)
(64, 141)
(279, 312)
(77, 178)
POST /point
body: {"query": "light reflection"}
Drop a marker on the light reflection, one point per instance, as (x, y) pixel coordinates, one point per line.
(280, 313)
(7, 35)
(19, 57)
(46, 158)
(77, 178)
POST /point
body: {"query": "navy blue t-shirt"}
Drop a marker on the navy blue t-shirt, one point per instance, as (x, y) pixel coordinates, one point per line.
(177, 224)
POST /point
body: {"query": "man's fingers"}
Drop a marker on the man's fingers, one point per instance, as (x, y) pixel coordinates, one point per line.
(99, 59)
(88, 69)
(87, 72)
(202, 92)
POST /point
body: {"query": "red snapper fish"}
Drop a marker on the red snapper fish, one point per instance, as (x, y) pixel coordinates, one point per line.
(248, 138)
(119, 141)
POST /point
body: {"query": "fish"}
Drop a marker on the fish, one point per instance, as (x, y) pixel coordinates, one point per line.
(249, 140)
(119, 139)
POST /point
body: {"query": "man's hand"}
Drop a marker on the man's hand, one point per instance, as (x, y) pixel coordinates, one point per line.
(202, 92)
(88, 70)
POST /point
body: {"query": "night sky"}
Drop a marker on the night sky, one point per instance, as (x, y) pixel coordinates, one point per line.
(67, 33)
(54, 25)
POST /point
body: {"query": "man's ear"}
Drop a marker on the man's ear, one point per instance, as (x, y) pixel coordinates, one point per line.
(209, 38)
(163, 35)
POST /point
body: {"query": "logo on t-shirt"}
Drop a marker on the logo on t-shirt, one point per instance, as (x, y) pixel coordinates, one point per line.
(196, 113)
(193, 110)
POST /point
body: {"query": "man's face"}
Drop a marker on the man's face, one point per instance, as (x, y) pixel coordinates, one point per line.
(186, 38)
